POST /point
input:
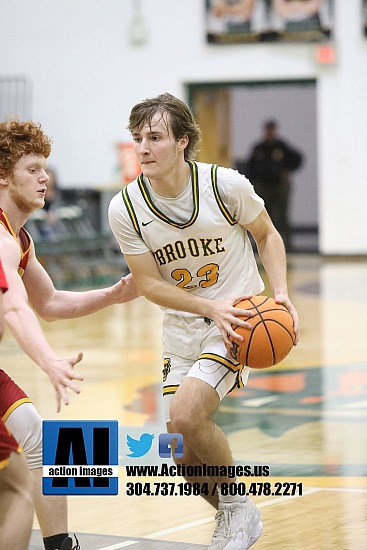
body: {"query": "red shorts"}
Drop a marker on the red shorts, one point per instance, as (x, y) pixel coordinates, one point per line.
(11, 396)
(8, 445)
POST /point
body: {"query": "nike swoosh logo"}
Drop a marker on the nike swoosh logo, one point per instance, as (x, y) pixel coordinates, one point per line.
(147, 223)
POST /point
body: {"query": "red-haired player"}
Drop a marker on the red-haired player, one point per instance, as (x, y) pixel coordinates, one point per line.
(24, 149)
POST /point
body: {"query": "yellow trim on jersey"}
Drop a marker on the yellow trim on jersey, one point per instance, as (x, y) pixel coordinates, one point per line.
(221, 204)
(12, 233)
(222, 361)
(14, 406)
(130, 209)
(195, 193)
(9, 228)
(167, 390)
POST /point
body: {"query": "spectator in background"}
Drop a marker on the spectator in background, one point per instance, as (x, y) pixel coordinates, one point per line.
(48, 225)
(52, 189)
(269, 169)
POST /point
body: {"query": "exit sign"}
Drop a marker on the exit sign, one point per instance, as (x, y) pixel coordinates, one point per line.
(325, 54)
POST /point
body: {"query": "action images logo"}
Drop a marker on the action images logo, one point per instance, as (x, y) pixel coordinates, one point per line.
(80, 457)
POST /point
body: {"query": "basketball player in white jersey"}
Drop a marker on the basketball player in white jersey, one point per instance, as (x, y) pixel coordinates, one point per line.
(182, 227)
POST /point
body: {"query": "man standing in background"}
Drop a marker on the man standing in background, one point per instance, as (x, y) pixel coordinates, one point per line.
(269, 168)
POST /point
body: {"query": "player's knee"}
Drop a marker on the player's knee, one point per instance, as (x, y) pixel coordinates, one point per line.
(191, 406)
(181, 424)
(22, 479)
(183, 419)
(26, 425)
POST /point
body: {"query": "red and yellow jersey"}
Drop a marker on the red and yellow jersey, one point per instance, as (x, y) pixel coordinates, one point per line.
(7, 445)
(24, 241)
(11, 396)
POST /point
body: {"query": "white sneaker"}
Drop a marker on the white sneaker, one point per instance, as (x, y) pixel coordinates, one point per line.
(238, 526)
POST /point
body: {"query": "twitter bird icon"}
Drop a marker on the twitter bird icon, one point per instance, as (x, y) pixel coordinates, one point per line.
(139, 447)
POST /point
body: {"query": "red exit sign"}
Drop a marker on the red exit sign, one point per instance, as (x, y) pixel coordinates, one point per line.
(325, 54)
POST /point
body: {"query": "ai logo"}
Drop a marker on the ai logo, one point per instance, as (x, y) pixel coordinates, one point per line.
(80, 457)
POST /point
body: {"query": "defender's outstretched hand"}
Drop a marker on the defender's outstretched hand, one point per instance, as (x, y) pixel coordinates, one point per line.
(126, 289)
(62, 375)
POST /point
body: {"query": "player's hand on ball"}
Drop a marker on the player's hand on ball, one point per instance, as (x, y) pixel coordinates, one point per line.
(284, 299)
(270, 338)
(225, 314)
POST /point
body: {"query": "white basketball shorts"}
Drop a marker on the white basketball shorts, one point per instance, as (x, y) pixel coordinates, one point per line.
(193, 346)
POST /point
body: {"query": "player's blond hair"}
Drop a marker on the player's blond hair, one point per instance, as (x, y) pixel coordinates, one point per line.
(19, 138)
(180, 119)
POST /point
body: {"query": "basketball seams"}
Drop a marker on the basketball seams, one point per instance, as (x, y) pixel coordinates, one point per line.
(277, 322)
(249, 345)
(261, 313)
(270, 341)
(256, 306)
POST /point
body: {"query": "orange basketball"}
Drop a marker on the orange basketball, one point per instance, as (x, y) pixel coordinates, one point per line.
(271, 337)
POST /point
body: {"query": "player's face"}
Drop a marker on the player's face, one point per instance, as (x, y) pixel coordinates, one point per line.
(27, 186)
(156, 148)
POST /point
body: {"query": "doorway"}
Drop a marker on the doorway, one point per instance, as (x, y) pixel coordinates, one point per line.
(231, 116)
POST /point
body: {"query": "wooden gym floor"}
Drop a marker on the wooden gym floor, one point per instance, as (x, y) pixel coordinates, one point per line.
(306, 419)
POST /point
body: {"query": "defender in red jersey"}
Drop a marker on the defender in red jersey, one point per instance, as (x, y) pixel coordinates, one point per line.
(16, 500)
(24, 150)
(8, 445)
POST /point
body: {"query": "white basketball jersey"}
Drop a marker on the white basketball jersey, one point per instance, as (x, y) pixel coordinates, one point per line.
(197, 239)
